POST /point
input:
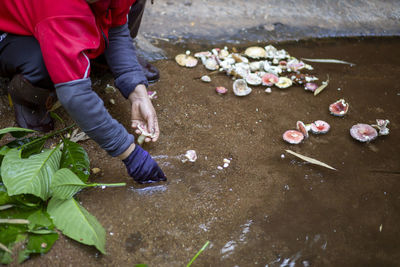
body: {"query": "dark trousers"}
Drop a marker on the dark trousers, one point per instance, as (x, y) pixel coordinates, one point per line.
(22, 54)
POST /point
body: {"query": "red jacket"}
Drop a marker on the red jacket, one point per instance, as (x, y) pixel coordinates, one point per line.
(69, 32)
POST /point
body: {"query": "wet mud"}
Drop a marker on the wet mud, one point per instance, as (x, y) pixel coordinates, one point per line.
(265, 208)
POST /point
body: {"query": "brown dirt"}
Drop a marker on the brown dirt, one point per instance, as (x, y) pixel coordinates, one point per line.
(262, 209)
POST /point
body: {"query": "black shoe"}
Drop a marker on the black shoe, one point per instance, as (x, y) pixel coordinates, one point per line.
(31, 104)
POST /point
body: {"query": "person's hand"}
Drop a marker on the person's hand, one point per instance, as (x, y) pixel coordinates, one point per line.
(142, 167)
(143, 114)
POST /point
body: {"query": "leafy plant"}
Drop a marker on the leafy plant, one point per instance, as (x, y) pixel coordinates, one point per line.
(37, 186)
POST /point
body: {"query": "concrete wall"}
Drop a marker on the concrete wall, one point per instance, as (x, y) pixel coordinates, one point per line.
(268, 20)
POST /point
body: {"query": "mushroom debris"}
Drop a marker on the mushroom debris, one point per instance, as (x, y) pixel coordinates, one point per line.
(257, 65)
(190, 156)
(381, 125)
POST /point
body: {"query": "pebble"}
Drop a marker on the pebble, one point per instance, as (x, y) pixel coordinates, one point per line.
(112, 101)
(268, 90)
(226, 165)
(220, 168)
(282, 156)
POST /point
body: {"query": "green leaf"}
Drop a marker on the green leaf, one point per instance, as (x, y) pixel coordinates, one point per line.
(30, 145)
(15, 132)
(37, 244)
(32, 175)
(39, 220)
(77, 223)
(75, 158)
(4, 197)
(8, 237)
(66, 184)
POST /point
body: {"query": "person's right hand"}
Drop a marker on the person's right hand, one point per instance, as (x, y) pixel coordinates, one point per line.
(143, 113)
(142, 167)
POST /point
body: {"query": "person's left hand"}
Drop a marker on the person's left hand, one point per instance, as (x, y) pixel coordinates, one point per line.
(143, 113)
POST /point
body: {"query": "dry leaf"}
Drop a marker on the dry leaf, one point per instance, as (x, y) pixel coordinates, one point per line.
(321, 60)
(310, 160)
(322, 87)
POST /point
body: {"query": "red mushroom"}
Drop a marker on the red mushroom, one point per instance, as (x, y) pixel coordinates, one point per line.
(339, 108)
(302, 128)
(293, 137)
(320, 127)
(363, 132)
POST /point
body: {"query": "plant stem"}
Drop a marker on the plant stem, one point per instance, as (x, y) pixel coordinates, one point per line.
(14, 221)
(198, 253)
(47, 136)
(108, 185)
(3, 247)
(4, 207)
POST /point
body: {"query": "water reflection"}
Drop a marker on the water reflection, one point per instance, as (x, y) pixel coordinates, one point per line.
(315, 241)
(149, 190)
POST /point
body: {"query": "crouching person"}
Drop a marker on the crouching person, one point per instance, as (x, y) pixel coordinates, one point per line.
(46, 47)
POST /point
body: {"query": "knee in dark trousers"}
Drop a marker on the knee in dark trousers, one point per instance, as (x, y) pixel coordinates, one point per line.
(22, 55)
(135, 17)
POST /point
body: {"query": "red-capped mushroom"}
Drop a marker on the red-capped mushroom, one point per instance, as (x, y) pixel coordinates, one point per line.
(293, 137)
(302, 128)
(363, 132)
(339, 108)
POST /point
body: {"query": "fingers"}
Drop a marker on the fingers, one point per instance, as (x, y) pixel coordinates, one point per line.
(153, 127)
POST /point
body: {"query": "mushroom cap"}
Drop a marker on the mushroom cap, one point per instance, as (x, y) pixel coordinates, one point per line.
(240, 88)
(339, 108)
(293, 137)
(221, 90)
(253, 79)
(269, 79)
(284, 82)
(186, 61)
(302, 128)
(255, 52)
(320, 127)
(363, 132)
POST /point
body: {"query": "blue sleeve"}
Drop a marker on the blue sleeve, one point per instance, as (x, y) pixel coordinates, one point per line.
(122, 60)
(87, 109)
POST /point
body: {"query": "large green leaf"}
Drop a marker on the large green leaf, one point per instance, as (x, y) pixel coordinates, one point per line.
(77, 223)
(32, 175)
(75, 158)
(15, 132)
(66, 184)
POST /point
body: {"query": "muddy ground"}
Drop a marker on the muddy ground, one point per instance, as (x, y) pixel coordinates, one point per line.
(264, 208)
